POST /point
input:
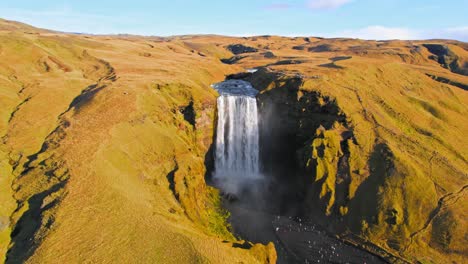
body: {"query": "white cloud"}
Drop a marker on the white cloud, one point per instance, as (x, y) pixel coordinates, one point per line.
(377, 32)
(459, 33)
(380, 33)
(326, 4)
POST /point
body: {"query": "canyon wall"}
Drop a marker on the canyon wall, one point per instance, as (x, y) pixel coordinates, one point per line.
(362, 166)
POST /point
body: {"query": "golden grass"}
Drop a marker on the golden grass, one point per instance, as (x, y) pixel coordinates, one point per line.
(132, 168)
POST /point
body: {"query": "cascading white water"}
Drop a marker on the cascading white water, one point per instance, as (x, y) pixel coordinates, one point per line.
(237, 141)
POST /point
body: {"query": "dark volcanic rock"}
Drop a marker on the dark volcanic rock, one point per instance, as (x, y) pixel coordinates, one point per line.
(287, 62)
(299, 47)
(447, 58)
(340, 58)
(448, 81)
(237, 76)
(437, 49)
(240, 49)
(269, 55)
(232, 60)
(321, 48)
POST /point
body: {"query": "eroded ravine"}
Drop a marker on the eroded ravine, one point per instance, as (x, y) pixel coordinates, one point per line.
(34, 215)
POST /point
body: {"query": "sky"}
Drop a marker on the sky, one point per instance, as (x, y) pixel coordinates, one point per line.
(366, 19)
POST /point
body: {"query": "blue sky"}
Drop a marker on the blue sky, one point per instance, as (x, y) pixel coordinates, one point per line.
(368, 19)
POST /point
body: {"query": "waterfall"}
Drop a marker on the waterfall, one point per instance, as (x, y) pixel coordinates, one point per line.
(237, 141)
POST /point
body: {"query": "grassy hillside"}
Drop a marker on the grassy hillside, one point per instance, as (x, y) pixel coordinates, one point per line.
(98, 156)
(104, 140)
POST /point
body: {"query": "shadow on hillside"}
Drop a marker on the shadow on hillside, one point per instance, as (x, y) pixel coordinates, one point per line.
(25, 238)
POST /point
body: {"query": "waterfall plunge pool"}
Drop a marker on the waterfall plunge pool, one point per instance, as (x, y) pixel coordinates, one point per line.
(254, 198)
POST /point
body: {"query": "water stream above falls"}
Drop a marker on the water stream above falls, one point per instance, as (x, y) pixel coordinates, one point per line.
(255, 199)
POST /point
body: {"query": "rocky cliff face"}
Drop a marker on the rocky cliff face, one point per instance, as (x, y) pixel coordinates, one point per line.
(357, 171)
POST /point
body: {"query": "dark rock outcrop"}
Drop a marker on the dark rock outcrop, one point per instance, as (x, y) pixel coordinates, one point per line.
(240, 49)
(322, 48)
(288, 62)
(237, 76)
(448, 81)
(447, 58)
(269, 55)
(299, 47)
(233, 59)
